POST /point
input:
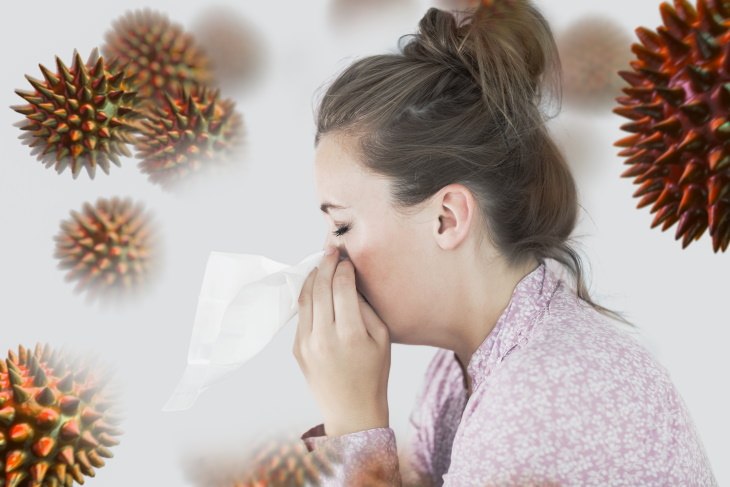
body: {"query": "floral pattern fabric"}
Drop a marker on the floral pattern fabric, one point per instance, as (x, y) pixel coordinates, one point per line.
(562, 396)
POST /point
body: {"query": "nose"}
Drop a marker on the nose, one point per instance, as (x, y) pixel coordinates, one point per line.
(331, 242)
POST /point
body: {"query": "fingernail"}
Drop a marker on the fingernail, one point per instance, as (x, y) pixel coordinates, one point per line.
(330, 250)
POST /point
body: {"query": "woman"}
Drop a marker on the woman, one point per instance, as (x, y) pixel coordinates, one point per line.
(449, 205)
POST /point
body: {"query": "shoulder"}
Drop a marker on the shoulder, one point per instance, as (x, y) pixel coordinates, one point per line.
(574, 349)
(572, 336)
(578, 392)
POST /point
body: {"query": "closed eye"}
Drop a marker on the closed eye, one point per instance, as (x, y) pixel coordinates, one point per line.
(341, 230)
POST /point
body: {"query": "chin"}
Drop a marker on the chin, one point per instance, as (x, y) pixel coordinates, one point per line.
(395, 332)
(398, 335)
(404, 339)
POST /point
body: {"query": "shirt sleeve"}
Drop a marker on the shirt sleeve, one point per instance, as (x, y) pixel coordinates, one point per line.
(358, 459)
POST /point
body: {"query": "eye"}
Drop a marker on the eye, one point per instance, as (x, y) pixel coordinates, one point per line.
(341, 230)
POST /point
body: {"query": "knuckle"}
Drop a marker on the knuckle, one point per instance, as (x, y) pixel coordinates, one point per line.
(381, 334)
(305, 297)
(321, 347)
(350, 340)
(321, 288)
(303, 352)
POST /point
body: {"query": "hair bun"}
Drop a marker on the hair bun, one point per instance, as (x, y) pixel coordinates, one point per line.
(438, 40)
(507, 46)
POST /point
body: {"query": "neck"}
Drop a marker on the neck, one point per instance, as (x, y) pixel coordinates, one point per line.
(480, 286)
(482, 298)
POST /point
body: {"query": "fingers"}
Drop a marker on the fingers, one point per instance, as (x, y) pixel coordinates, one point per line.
(323, 311)
(345, 297)
(373, 324)
(304, 327)
(329, 295)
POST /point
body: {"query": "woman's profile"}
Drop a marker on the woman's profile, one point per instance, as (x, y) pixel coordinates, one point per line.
(451, 214)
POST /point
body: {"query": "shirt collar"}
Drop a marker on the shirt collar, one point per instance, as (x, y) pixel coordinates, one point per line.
(530, 298)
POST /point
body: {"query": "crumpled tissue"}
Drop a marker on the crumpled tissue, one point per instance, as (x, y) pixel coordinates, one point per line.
(245, 299)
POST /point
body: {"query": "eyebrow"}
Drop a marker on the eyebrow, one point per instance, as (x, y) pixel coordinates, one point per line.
(326, 207)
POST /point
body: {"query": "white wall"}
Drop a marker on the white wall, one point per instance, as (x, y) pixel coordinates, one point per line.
(677, 297)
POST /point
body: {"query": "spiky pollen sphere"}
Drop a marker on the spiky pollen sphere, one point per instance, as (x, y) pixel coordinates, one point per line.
(286, 463)
(159, 55)
(56, 425)
(290, 464)
(236, 49)
(679, 104)
(83, 116)
(279, 462)
(108, 247)
(488, 8)
(189, 132)
(458, 4)
(591, 50)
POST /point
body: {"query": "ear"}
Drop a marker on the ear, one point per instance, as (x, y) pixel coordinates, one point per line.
(455, 207)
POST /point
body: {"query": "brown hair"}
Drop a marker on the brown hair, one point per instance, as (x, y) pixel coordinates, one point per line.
(464, 101)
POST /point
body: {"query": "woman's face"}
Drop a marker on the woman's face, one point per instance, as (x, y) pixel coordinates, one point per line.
(389, 250)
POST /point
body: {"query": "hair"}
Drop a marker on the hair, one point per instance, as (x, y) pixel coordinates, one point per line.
(465, 100)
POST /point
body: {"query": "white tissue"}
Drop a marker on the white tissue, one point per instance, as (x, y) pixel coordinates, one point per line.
(244, 301)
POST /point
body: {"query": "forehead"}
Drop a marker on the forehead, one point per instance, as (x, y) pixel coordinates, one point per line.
(340, 177)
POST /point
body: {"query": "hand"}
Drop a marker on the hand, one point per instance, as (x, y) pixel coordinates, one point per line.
(343, 349)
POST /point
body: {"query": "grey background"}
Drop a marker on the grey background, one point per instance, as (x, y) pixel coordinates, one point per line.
(265, 204)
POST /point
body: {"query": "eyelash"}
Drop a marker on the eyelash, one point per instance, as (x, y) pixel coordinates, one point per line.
(341, 230)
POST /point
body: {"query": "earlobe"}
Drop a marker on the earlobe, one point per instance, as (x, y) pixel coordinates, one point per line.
(455, 206)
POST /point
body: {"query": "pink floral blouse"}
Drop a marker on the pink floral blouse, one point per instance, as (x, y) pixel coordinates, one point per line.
(561, 396)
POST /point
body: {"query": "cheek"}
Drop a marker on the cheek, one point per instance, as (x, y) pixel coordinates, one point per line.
(376, 274)
(384, 282)
(374, 250)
